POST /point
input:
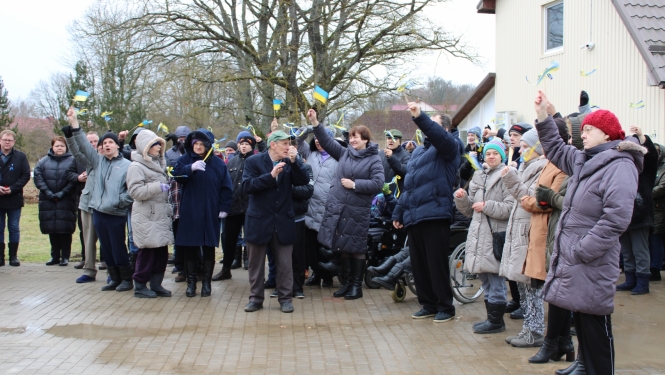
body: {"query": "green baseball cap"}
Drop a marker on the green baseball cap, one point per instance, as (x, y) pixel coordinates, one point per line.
(396, 133)
(279, 135)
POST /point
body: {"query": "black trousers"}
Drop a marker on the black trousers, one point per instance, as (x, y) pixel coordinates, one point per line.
(594, 334)
(193, 253)
(80, 224)
(428, 248)
(232, 228)
(558, 322)
(298, 257)
(514, 293)
(179, 253)
(60, 243)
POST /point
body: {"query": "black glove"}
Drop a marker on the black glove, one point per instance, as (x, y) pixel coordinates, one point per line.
(544, 196)
(584, 98)
(49, 195)
(67, 130)
(58, 195)
(171, 137)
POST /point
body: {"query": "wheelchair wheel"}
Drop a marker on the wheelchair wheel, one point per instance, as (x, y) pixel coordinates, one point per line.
(399, 293)
(371, 284)
(466, 286)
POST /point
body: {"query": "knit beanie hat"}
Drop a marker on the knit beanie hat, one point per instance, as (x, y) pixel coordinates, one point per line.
(520, 127)
(475, 130)
(248, 138)
(605, 121)
(497, 145)
(531, 139)
(232, 144)
(111, 135)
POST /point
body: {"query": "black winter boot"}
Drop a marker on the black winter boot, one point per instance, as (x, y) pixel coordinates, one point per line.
(642, 286)
(549, 350)
(630, 282)
(142, 291)
(332, 268)
(575, 368)
(190, 268)
(13, 258)
(383, 268)
(2, 254)
(344, 271)
(494, 322)
(156, 285)
(126, 276)
(512, 305)
(566, 348)
(114, 273)
(237, 259)
(206, 287)
(390, 280)
(488, 316)
(655, 274)
(357, 275)
(132, 261)
(224, 274)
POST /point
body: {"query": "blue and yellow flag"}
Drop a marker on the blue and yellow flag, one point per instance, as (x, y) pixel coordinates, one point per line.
(276, 104)
(320, 94)
(162, 127)
(81, 96)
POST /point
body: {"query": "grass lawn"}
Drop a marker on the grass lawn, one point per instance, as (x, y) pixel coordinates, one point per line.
(34, 246)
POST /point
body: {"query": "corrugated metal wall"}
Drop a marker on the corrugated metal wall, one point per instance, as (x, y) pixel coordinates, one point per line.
(620, 78)
(480, 116)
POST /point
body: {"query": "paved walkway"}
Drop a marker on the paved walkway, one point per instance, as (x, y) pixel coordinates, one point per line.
(51, 325)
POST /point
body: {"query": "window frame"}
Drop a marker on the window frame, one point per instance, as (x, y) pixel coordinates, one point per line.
(554, 50)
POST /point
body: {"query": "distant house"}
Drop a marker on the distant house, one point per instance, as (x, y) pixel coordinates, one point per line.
(30, 124)
(428, 108)
(613, 49)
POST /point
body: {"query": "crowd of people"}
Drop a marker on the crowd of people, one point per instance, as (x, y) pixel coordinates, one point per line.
(554, 211)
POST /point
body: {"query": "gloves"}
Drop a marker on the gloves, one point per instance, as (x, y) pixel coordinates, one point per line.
(67, 131)
(199, 165)
(58, 195)
(49, 195)
(165, 187)
(223, 215)
(171, 137)
(544, 196)
(584, 98)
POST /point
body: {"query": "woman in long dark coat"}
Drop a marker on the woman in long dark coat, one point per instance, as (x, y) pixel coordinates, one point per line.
(57, 200)
(205, 200)
(359, 177)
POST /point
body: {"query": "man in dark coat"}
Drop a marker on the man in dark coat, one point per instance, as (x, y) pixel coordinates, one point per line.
(14, 174)
(394, 159)
(268, 179)
(425, 208)
(635, 241)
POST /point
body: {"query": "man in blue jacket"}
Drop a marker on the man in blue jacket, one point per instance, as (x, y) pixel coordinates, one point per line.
(425, 208)
(268, 179)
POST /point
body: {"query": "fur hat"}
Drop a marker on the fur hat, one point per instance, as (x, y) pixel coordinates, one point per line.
(605, 121)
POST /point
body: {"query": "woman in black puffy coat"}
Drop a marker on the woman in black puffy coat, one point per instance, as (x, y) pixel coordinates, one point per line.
(57, 200)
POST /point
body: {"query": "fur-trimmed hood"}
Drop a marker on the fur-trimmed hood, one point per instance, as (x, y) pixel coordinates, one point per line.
(631, 145)
(144, 141)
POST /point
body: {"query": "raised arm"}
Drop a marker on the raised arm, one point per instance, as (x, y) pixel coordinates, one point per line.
(331, 146)
(440, 138)
(557, 151)
(303, 145)
(79, 146)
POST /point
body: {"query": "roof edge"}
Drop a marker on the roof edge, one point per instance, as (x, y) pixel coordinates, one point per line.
(486, 6)
(481, 91)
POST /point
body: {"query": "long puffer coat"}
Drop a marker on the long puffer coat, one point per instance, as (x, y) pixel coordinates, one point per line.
(204, 194)
(519, 184)
(485, 186)
(151, 212)
(346, 220)
(56, 215)
(323, 173)
(659, 195)
(597, 209)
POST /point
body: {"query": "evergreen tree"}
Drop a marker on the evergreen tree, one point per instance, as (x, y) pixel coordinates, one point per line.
(6, 118)
(82, 80)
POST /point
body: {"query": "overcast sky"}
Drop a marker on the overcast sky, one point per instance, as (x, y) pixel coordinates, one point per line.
(34, 40)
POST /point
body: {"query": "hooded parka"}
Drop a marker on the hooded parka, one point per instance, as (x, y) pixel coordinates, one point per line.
(597, 209)
(346, 220)
(485, 186)
(56, 214)
(151, 212)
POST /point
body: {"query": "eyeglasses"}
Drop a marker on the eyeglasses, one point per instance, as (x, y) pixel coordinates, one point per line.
(8, 140)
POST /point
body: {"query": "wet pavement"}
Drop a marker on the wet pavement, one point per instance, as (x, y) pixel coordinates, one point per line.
(51, 325)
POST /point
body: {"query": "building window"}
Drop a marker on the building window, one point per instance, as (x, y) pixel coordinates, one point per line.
(553, 26)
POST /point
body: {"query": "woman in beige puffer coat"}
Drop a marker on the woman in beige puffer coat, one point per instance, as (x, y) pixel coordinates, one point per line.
(522, 184)
(147, 184)
(487, 198)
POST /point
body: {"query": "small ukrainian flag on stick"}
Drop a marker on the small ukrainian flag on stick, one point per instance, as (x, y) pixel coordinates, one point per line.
(276, 106)
(81, 96)
(320, 95)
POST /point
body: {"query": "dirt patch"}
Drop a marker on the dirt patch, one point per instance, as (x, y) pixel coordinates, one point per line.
(30, 193)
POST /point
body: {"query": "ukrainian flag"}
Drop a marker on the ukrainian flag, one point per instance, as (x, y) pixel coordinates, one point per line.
(81, 96)
(276, 104)
(162, 127)
(320, 95)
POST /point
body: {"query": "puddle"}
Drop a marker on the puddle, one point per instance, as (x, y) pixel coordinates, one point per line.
(97, 332)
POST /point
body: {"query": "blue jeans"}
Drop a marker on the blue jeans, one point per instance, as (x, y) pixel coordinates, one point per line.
(494, 287)
(657, 250)
(130, 236)
(13, 216)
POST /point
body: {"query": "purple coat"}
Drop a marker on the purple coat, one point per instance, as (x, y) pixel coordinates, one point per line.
(597, 209)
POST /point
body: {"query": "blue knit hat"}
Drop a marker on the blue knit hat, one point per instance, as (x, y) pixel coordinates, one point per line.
(497, 145)
(475, 130)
